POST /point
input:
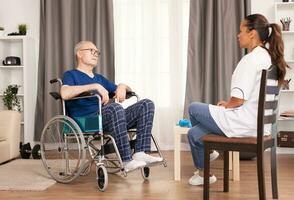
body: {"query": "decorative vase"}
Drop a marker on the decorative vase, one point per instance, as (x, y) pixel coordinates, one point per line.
(23, 32)
(285, 23)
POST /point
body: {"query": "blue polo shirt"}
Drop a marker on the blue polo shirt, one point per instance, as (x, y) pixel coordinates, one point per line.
(89, 106)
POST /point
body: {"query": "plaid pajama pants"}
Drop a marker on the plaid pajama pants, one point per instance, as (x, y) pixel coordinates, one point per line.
(117, 120)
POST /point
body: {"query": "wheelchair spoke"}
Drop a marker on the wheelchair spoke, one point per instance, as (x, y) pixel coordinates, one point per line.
(63, 154)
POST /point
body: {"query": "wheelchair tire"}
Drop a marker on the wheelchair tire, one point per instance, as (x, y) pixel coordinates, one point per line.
(101, 177)
(63, 149)
(145, 171)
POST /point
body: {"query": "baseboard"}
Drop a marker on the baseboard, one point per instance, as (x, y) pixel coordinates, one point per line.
(284, 150)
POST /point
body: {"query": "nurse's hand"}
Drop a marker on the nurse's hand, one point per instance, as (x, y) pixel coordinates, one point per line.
(222, 103)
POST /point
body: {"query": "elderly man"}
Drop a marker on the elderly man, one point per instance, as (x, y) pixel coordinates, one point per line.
(116, 119)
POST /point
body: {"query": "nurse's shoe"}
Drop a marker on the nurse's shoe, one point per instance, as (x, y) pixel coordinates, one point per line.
(214, 155)
(196, 179)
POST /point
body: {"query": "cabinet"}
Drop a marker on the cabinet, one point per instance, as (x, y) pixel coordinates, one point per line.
(285, 125)
(22, 75)
(286, 98)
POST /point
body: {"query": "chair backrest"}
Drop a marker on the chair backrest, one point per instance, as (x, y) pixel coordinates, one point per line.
(268, 88)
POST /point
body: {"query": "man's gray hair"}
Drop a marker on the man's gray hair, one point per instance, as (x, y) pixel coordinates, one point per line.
(79, 46)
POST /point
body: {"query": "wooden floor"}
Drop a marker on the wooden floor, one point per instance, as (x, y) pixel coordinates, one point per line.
(162, 186)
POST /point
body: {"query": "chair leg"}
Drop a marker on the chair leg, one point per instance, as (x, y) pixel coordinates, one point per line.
(226, 171)
(274, 173)
(206, 171)
(260, 174)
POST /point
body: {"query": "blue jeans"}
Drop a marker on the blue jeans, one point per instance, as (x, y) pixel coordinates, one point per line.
(202, 124)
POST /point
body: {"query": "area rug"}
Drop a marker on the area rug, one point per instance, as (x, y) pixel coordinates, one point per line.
(21, 174)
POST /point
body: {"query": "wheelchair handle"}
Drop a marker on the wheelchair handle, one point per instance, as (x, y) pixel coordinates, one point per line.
(53, 81)
(56, 80)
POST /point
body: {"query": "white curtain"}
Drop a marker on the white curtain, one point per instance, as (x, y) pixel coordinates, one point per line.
(151, 57)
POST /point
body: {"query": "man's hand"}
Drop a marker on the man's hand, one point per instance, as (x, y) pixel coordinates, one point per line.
(120, 93)
(222, 103)
(103, 92)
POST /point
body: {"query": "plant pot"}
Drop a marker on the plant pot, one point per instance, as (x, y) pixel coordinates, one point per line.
(22, 32)
(14, 90)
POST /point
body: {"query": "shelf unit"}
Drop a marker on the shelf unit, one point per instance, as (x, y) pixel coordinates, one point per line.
(284, 10)
(288, 32)
(286, 98)
(23, 75)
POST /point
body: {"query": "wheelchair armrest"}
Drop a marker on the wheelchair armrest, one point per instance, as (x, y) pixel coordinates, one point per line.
(88, 94)
(55, 95)
(129, 94)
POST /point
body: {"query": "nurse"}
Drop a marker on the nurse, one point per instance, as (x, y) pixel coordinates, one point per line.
(237, 116)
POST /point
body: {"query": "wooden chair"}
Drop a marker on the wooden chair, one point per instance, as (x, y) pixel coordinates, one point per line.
(250, 144)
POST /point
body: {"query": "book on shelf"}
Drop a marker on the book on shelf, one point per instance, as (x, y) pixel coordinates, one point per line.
(287, 115)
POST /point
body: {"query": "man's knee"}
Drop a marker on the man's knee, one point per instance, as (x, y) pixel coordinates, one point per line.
(148, 104)
(195, 108)
(115, 108)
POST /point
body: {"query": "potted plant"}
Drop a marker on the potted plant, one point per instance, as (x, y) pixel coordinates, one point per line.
(10, 100)
(1, 31)
(22, 29)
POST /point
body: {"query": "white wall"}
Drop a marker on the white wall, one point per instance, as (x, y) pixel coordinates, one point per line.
(14, 12)
(264, 7)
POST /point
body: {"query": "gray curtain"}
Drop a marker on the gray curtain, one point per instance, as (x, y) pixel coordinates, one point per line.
(213, 49)
(63, 23)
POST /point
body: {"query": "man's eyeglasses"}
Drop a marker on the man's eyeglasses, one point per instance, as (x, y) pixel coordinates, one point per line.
(94, 52)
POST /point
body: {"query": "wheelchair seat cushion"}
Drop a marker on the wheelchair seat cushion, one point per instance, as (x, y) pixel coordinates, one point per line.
(88, 124)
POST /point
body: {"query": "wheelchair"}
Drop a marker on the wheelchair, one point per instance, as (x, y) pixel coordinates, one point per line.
(69, 146)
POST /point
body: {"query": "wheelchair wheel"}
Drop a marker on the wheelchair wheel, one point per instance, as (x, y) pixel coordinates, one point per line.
(145, 171)
(63, 149)
(101, 177)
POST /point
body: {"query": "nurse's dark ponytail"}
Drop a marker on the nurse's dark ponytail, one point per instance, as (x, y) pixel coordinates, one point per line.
(271, 34)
